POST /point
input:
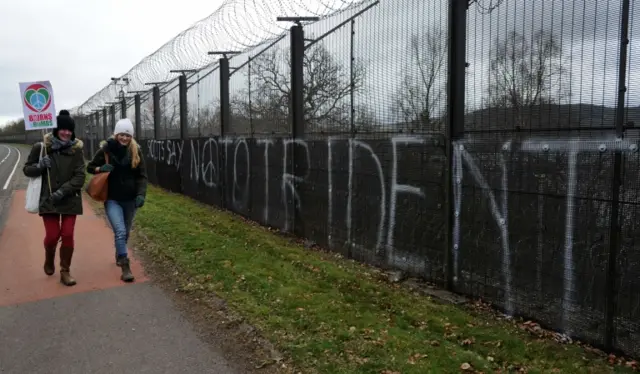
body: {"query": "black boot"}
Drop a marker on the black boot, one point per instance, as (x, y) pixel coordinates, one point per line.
(126, 276)
(66, 253)
(49, 260)
(119, 260)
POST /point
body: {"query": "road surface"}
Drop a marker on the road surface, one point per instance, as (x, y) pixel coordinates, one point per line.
(101, 325)
(11, 161)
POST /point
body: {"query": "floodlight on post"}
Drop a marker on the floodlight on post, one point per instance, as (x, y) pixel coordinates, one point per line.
(225, 54)
(183, 71)
(155, 83)
(297, 20)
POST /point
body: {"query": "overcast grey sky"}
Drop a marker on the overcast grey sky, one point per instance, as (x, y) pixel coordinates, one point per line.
(78, 45)
(99, 40)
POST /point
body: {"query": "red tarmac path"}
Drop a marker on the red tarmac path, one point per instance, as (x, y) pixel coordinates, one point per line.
(21, 257)
(101, 325)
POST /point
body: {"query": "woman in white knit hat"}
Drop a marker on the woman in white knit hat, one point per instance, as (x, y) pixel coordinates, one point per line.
(127, 186)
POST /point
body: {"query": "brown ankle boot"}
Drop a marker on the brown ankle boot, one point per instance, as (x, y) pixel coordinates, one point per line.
(49, 260)
(66, 253)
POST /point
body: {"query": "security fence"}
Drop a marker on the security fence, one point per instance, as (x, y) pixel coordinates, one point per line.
(487, 146)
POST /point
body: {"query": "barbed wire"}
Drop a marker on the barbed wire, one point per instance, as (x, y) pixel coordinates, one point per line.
(237, 25)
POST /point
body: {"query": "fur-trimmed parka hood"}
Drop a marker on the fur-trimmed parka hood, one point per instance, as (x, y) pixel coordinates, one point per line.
(77, 145)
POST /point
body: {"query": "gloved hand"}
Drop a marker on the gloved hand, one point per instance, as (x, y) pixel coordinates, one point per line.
(106, 168)
(139, 201)
(45, 163)
(57, 196)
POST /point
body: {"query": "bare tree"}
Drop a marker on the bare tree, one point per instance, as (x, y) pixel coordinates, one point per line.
(525, 73)
(146, 115)
(170, 114)
(422, 86)
(209, 120)
(326, 90)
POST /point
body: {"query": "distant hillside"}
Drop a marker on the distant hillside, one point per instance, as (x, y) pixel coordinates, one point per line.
(548, 116)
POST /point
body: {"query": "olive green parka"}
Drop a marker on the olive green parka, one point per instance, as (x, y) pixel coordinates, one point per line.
(67, 174)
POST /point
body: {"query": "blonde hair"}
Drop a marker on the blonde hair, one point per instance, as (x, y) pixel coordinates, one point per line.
(134, 148)
(135, 154)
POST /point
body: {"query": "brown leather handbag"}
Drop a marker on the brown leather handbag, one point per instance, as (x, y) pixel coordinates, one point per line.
(98, 186)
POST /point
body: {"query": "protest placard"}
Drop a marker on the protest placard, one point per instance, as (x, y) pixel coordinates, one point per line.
(37, 105)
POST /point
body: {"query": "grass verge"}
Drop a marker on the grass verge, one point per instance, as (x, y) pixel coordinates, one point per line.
(332, 315)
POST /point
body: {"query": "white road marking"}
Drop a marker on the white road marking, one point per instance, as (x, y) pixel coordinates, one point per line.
(7, 156)
(14, 167)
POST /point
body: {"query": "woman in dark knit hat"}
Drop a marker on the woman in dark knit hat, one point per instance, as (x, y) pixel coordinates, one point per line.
(60, 196)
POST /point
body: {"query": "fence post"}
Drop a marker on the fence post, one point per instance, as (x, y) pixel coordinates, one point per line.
(225, 117)
(105, 123)
(611, 288)
(123, 108)
(96, 134)
(297, 116)
(156, 112)
(112, 108)
(455, 121)
(137, 115)
(184, 114)
(225, 106)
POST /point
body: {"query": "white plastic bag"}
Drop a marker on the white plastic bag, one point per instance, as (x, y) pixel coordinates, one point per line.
(32, 200)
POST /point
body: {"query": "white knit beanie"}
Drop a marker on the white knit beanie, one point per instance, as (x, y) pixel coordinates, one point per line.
(124, 126)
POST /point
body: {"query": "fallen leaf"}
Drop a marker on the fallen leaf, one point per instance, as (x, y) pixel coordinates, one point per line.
(467, 342)
(414, 357)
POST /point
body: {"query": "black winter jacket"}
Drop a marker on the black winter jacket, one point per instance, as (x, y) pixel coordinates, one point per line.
(125, 183)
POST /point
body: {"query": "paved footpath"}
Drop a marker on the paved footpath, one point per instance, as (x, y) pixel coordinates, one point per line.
(101, 325)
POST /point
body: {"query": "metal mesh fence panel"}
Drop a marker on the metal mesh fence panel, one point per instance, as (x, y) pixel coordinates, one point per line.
(535, 170)
(517, 188)
(404, 87)
(240, 96)
(626, 327)
(146, 116)
(542, 66)
(329, 79)
(269, 73)
(170, 112)
(193, 106)
(131, 112)
(209, 102)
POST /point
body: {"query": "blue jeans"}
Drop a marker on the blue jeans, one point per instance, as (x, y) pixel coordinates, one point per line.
(120, 215)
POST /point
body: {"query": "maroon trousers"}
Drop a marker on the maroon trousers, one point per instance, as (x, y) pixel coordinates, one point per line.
(59, 226)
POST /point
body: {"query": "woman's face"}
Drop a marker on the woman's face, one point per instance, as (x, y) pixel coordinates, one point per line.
(123, 139)
(64, 134)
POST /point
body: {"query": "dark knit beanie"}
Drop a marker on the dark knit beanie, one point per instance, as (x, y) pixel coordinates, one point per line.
(65, 122)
